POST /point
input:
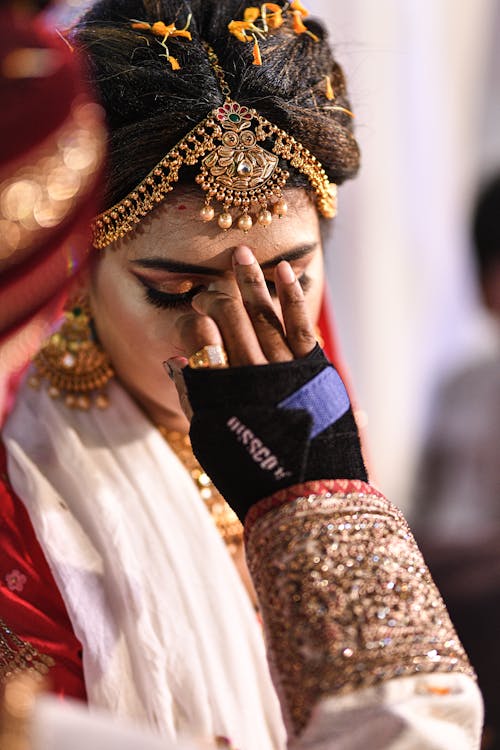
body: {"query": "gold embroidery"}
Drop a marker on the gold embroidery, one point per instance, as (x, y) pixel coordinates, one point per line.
(18, 656)
(344, 589)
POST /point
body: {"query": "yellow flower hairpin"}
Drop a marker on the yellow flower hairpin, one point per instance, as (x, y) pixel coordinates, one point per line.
(160, 29)
(257, 22)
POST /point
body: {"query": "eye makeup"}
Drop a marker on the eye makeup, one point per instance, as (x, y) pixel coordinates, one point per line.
(169, 301)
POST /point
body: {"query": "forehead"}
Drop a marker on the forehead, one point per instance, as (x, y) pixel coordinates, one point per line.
(175, 231)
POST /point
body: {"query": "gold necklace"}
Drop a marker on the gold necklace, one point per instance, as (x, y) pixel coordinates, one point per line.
(225, 519)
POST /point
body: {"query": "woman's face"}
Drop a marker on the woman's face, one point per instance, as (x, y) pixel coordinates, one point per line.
(142, 286)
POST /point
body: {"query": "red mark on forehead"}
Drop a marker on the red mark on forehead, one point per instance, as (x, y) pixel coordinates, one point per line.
(181, 207)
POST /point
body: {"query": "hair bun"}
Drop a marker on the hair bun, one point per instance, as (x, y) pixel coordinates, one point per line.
(150, 105)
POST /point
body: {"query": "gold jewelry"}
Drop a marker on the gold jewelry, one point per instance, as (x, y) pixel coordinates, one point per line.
(212, 355)
(234, 170)
(226, 520)
(75, 365)
(17, 656)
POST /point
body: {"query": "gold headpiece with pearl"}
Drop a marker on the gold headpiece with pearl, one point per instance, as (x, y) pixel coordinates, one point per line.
(234, 171)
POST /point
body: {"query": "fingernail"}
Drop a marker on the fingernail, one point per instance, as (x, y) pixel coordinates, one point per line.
(285, 273)
(243, 256)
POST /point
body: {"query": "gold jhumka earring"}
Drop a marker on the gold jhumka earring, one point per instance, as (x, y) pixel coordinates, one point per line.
(73, 362)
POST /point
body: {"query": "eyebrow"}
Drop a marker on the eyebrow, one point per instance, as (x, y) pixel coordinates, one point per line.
(178, 266)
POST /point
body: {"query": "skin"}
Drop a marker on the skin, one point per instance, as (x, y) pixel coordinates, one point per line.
(233, 306)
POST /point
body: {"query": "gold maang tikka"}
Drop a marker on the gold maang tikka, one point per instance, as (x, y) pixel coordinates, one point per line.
(73, 362)
(234, 171)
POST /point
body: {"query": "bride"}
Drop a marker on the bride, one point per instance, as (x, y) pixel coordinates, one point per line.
(229, 131)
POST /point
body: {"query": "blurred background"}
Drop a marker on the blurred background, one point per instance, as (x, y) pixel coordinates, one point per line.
(424, 80)
(422, 348)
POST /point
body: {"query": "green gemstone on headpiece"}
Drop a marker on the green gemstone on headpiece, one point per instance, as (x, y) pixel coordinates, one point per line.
(234, 118)
(77, 311)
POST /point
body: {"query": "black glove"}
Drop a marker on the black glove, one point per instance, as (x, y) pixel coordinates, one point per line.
(262, 428)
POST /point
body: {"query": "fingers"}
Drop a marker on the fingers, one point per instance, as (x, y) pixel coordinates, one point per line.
(298, 326)
(197, 331)
(237, 312)
(174, 369)
(259, 306)
(223, 304)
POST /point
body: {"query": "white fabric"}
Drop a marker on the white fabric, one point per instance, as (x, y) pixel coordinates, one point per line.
(425, 712)
(169, 636)
(57, 725)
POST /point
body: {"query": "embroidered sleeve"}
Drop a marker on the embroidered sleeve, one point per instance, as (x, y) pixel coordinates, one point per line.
(347, 600)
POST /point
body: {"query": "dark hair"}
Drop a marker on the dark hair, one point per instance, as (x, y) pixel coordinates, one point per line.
(486, 229)
(150, 107)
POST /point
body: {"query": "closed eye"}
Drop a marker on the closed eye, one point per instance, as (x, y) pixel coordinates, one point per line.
(166, 301)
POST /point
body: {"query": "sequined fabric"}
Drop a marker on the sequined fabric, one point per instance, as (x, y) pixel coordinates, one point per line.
(18, 656)
(346, 597)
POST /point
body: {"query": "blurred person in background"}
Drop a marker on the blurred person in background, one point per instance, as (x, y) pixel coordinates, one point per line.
(457, 509)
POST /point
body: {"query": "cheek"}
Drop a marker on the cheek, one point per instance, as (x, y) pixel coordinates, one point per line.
(133, 332)
(314, 296)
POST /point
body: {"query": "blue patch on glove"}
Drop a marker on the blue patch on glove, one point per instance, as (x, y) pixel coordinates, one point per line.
(324, 397)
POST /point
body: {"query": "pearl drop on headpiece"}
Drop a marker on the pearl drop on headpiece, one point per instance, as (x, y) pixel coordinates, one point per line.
(225, 221)
(245, 223)
(207, 213)
(281, 208)
(265, 218)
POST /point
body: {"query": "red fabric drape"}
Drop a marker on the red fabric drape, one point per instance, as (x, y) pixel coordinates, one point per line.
(30, 603)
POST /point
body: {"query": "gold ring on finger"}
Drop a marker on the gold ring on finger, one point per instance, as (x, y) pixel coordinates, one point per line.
(211, 355)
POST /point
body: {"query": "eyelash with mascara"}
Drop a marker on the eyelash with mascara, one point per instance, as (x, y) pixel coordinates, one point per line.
(166, 301)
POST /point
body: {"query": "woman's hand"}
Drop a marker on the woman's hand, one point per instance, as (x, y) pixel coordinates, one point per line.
(279, 414)
(237, 312)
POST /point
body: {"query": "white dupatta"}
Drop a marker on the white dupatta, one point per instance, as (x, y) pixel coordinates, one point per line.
(168, 634)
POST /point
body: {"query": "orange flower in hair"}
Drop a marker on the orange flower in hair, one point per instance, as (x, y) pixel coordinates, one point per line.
(251, 15)
(270, 16)
(330, 93)
(246, 30)
(299, 27)
(297, 6)
(174, 62)
(159, 28)
(257, 57)
(240, 30)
